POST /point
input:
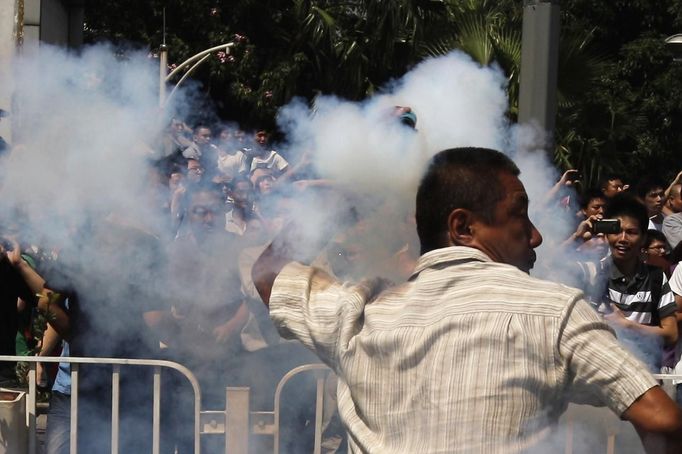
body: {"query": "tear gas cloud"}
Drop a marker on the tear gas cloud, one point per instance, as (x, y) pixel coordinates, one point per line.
(458, 103)
(86, 126)
(83, 128)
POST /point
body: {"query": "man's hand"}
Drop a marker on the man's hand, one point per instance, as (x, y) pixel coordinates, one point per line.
(292, 243)
(617, 318)
(569, 178)
(14, 254)
(584, 230)
(223, 333)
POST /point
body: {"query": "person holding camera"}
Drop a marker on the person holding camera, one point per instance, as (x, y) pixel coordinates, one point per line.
(633, 297)
(471, 354)
(588, 235)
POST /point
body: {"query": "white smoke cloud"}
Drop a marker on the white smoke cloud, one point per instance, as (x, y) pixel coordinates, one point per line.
(87, 124)
(457, 103)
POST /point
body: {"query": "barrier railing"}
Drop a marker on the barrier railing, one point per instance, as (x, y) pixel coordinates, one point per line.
(613, 425)
(116, 364)
(237, 422)
(243, 422)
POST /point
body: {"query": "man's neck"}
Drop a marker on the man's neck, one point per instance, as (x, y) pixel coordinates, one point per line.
(628, 268)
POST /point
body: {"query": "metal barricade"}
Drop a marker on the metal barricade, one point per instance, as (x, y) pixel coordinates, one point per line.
(614, 426)
(242, 422)
(116, 364)
(237, 422)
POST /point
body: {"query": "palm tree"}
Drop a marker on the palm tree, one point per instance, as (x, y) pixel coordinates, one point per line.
(490, 32)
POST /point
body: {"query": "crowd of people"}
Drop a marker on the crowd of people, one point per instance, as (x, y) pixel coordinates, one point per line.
(626, 248)
(184, 290)
(180, 290)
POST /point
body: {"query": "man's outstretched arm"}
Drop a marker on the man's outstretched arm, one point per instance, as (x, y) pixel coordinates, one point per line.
(266, 269)
(297, 242)
(658, 420)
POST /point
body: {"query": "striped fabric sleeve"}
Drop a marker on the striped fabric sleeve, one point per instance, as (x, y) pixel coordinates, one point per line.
(599, 370)
(676, 280)
(309, 305)
(666, 305)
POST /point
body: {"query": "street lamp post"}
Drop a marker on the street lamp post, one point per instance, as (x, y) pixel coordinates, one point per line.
(195, 60)
(674, 44)
(539, 63)
(163, 73)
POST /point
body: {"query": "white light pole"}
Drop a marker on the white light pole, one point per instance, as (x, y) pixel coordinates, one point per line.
(195, 61)
(539, 63)
(674, 44)
(163, 73)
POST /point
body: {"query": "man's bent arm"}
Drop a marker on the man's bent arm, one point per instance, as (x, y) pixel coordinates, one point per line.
(666, 331)
(655, 414)
(292, 244)
(281, 251)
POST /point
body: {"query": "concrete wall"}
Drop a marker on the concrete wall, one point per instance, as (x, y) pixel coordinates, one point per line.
(56, 22)
(8, 11)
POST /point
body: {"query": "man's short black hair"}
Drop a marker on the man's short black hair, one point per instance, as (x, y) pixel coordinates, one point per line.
(589, 195)
(604, 181)
(201, 126)
(459, 178)
(239, 179)
(625, 205)
(207, 187)
(649, 183)
(654, 235)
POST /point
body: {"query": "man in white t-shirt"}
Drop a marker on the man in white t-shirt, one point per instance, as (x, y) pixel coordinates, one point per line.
(675, 283)
(264, 160)
(231, 160)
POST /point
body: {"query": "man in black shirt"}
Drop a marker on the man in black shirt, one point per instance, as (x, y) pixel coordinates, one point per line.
(12, 286)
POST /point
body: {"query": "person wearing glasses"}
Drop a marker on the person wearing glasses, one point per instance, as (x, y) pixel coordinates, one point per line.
(656, 251)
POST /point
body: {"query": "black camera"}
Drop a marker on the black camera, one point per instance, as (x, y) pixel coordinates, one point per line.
(6, 244)
(606, 226)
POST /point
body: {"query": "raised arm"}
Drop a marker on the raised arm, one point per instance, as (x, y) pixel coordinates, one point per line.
(677, 180)
(45, 300)
(658, 421)
(281, 251)
(294, 244)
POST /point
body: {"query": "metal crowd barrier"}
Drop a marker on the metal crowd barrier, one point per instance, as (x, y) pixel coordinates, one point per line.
(116, 364)
(242, 422)
(237, 422)
(613, 425)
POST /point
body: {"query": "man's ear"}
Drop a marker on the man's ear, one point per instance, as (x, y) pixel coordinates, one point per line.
(460, 232)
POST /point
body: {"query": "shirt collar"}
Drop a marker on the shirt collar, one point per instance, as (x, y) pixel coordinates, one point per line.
(446, 255)
(615, 273)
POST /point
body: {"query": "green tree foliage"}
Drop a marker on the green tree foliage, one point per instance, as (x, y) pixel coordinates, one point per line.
(628, 120)
(620, 100)
(285, 48)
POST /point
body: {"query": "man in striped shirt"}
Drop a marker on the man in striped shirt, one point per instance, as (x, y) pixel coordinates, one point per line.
(471, 354)
(637, 300)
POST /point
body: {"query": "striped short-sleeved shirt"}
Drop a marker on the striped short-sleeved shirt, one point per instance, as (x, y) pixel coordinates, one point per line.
(467, 356)
(635, 296)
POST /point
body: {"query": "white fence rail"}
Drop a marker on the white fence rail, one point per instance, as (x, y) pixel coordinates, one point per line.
(243, 423)
(237, 422)
(115, 364)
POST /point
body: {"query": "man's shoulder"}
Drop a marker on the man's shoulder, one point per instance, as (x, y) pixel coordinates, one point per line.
(550, 290)
(509, 289)
(672, 219)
